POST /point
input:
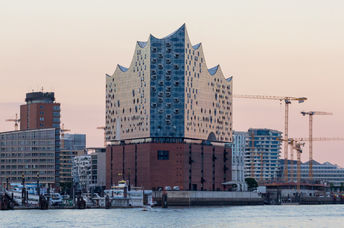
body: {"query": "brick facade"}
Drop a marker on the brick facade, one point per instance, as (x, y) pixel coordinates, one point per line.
(190, 166)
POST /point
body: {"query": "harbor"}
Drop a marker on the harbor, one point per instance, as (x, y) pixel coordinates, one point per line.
(215, 216)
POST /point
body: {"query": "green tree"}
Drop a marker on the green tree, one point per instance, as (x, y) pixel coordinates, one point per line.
(251, 183)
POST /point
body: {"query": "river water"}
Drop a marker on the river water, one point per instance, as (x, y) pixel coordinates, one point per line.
(236, 216)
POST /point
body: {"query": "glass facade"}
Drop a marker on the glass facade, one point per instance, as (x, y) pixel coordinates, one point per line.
(262, 153)
(29, 153)
(167, 85)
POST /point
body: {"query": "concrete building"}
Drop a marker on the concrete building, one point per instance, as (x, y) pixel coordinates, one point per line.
(262, 154)
(82, 172)
(238, 159)
(98, 157)
(173, 107)
(89, 170)
(322, 172)
(29, 153)
(40, 111)
(73, 145)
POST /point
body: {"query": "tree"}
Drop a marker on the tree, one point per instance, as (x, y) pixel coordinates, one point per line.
(251, 183)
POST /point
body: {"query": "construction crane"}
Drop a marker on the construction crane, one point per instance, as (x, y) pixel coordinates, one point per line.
(310, 144)
(287, 101)
(16, 121)
(103, 128)
(297, 146)
(291, 147)
(63, 130)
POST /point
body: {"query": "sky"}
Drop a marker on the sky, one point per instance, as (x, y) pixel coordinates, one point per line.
(270, 47)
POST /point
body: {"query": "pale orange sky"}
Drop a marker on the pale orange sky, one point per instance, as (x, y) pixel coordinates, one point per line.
(287, 48)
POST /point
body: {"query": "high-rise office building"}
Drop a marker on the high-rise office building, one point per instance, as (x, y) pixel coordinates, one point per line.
(40, 111)
(178, 110)
(29, 153)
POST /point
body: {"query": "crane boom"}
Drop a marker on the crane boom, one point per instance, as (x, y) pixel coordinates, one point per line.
(266, 97)
(319, 139)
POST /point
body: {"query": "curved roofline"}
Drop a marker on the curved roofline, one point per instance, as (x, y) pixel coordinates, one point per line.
(183, 26)
(142, 44)
(229, 79)
(213, 70)
(122, 68)
(196, 46)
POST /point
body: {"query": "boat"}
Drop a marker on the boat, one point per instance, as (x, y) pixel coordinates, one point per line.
(16, 189)
(122, 195)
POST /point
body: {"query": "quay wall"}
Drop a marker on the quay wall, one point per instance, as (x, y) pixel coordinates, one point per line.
(208, 198)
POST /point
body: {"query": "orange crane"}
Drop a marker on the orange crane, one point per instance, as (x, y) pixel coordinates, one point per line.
(287, 101)
(63, 130)
(16, 121)
(310, 144)
(103, 128)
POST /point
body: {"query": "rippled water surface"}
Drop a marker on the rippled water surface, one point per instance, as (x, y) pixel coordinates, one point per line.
(244, 216)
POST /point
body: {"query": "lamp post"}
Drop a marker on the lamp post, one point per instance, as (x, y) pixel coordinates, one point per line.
(38, 187)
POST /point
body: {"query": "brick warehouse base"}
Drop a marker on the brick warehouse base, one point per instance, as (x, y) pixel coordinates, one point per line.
(190, 166)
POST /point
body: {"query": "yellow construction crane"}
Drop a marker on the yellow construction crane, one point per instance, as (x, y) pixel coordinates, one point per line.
(63, 130)
(291, 143)
(16, 121)
(103, 128)
(295, 143)
(310, 144)
(297, 146)
(287, 101)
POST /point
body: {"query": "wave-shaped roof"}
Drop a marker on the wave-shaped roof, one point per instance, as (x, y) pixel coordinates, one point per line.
(196, 46)
(180, 28)
(213, 70)
(142, 44)
(122, 68)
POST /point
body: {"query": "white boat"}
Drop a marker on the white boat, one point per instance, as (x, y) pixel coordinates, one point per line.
(121, 196)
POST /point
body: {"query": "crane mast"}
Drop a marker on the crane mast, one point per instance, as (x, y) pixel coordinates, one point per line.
(310, 139)
(16, 120)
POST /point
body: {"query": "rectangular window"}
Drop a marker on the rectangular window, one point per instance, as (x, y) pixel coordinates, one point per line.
(163, 155)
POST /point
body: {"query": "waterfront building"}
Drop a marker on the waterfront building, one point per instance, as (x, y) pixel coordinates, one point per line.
(322, 172)
(40, 111)
(262, 154)
(29, 153)
(73, 145)
(89, 170)
(164, 114)
(82, 172)
(238, 159)
(98, 155)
